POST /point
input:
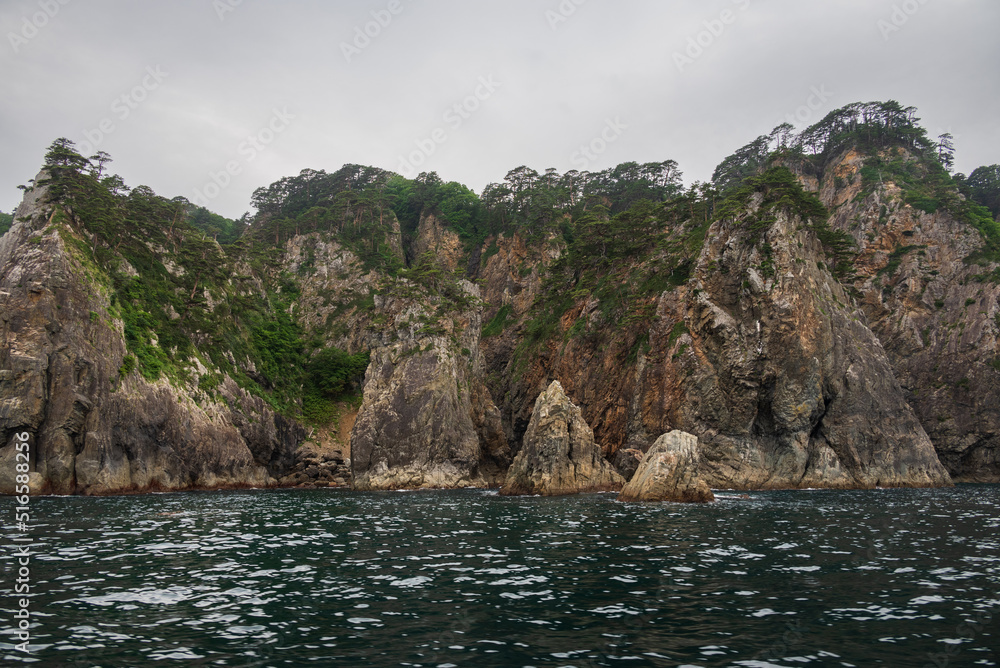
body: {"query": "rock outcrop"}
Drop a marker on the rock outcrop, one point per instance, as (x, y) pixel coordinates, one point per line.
(426, 421)
(669, 472)
(95, 428)
(559, 455)
(140, 354)
(935, 311)
(761, 353)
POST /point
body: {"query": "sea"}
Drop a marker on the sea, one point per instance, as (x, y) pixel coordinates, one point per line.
(902, 577)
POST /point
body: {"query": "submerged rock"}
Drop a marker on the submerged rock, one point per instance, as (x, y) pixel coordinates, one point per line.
(669, 472)
(559, 455)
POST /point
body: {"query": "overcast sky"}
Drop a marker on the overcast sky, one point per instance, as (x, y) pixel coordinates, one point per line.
(214, 98)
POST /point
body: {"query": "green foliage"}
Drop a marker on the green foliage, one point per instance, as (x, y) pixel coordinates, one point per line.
(868, 126)
(896, 258)
(928, 187)
(332, 372)
(730, 174)
(983, 187)
(781, 191)
(354, 204)
(205, 307)
(498, 323)
(222, 229)
(535, 205)
(623, 262)
(6, 221)
(332, 375)
(127, 367)
(839, 244)
(678, 330)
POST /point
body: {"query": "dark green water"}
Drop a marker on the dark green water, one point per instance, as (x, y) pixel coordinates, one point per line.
(468, 578)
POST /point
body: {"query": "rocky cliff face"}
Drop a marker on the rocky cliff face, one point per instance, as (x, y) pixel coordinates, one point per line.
(559, 455)
(154, 358)
(934, 311)
(426, 420)
(96, 430)
(761, 354)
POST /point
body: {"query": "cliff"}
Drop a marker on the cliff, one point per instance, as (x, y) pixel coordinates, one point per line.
(930, 296)
(98, 427)
(759, 353)
(824, 314)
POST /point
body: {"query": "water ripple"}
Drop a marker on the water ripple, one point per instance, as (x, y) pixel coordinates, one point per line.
(890, 577)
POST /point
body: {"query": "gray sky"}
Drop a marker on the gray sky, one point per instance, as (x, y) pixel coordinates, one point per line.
(180, 91)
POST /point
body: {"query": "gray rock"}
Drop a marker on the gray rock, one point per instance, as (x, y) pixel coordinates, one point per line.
(669, 472)
(626, 461)
(93, 432)
(559, 455)
(426, 421)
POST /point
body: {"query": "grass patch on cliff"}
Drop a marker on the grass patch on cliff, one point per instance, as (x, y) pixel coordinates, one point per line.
(184, 300)
(896, 258)
(333, 376)
(498, 323)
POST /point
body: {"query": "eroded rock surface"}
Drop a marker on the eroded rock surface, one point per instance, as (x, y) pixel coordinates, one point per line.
(762, 354)
(559, 455)
(426, 421)
(669, 472)
(94, 429)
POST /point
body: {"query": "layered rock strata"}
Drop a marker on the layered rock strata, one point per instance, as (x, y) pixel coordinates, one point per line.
(559, 455)
(95, 429)
(669, 472)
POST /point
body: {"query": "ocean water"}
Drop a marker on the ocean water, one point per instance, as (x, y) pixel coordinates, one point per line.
(469, 578)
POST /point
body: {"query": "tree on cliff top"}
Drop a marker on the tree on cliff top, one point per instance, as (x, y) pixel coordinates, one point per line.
(62, 153)
(983, 186)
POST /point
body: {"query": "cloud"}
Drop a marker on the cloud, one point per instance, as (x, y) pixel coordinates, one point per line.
(407, 63)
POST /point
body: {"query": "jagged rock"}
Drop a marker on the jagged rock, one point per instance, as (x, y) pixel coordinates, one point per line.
(437, 240)
(93, 432)
(669, 472)
(789, 374)
(626, 461)
(425, 421)
(559, 455)
(936, 313)
(762, 354)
